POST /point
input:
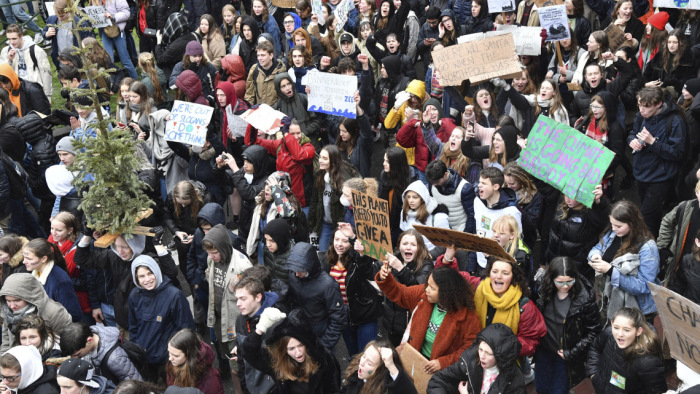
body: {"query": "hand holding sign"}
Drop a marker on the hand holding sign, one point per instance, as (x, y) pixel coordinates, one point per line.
(188, 123)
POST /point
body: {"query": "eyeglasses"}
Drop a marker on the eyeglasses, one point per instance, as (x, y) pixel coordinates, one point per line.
(10, 379)
(596, 107)
(562, 284)
(288, 22)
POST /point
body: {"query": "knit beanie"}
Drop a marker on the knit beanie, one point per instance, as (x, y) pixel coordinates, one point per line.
(434, 102)
(278, 230)
(692, 86)
(659, 20)
(510, 139)
(66, 145)
(194, 48)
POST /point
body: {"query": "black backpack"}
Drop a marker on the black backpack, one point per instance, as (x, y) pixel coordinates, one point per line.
(16, 176)
(136, 355)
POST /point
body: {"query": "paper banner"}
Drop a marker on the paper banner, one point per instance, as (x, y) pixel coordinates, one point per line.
(332, 93)
(566, 159)
(372, 223)
(616, 38)
(547, 3)
(555, 21)
(474, 243)
(188, 123)
(96, 14)
(683, 4)
(527, 39)
(477, 61)
(680, 319)
(264, 118)
(498, 6)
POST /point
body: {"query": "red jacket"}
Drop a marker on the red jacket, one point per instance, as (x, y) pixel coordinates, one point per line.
(531, 327)
(456, 333)
(209, 382)
(291, 158)
(233, 66)
(411, 136)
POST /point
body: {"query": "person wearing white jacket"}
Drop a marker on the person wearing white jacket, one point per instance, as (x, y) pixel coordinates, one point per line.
(420, 208)
(29, 60)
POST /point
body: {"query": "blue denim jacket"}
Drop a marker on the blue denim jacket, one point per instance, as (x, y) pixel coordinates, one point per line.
(635, 285)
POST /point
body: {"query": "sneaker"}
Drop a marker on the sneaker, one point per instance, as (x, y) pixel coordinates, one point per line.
(529, 378)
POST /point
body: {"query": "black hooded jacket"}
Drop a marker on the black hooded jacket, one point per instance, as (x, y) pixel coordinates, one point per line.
(278, 230)
(505, 347)
(296, 107)
(263, 166)
(247, 49)
(582, 100)
(317, 294)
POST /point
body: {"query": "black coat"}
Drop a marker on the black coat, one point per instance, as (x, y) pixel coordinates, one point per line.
(364, 302)
(45, 384)
(257, 155)
(43, 155)
(617, 138)
(582, 100)
(676, 76)
(686, 281)
(582, 326)
(32, 98)
(402, 385)
(167, 56)
(643, 374)
(11, 141)
(505, 347)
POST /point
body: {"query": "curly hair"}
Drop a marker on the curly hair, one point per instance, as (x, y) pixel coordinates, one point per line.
(519, 277)
(454, 293)
(308, 60)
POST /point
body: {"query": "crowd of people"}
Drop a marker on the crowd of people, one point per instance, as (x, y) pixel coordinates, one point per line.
(265, 272)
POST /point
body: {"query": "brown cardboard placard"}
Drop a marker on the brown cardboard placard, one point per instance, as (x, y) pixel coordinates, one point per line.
(372, 224)
(284, 3)
(413, 363)
(616, 38)
(466, 241)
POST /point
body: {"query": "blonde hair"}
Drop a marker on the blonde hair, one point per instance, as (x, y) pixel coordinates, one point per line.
(148, 64)
(508, 222)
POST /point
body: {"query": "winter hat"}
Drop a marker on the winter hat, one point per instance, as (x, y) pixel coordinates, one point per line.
(346, 37)
(66, 145)
(59, 180)
(692, 86)
(392, 65)
(30, 364)
(436, 104)
(194, 48)
(278, 230)
(448, 13)
(510, 138)
(659, 20)
(79, 370)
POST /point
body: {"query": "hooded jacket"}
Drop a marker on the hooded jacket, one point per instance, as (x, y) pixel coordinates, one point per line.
(257, 155)
(582, 99)
(247, 48)
(416, 88)
(317, 294)
(459, 197)
(233, 68)
(25, 287)
(205, 73)
(39, 73)
(386, 190)
(437, 213)
(256, 354)
(388, 88)
(15, 264)
(155, 315)
(296, 107)
(191, 84)
(260, 87)
(202, 166)
(288, 38)
(505, 347)
(27, 96)
(278, 230)
(169, 52)
(209, 382)
(36, 378)
(237, 263)
(119, 364)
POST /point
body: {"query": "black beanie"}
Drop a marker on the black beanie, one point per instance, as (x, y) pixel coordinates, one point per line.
(510, 139)
(693, 86)
(278, 230)
(392, 65)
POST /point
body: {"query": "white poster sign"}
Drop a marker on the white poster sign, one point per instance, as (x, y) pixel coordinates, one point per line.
(682, 4)
(317, 9)
(332, 94)
(527, 39)
(188, 123)
(341, 12)
(96, 13)
(555, 21)
(498, 6)
(264, 118)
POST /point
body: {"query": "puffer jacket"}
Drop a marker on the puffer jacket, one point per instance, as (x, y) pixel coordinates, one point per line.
(209, 382)
(118, 363)
(505, 348)
(120, 11)
(277, 262)
(11, 140)
(576, 234)
(233, 70)
(25, 287)
(582, 326)
(43, 155)
(257, 155)
(641, 374)
(317, 294)
(190, 84)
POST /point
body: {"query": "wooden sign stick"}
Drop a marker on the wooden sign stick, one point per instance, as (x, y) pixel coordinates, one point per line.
(561, 62)
(107, 239)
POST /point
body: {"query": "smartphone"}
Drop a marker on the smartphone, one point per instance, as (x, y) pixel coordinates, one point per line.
(149, 32)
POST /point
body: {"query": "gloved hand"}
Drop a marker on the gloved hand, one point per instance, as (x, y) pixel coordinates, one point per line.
(268, 318)
(158, 237)
(498, 82)
(401, 97)
(539, 274)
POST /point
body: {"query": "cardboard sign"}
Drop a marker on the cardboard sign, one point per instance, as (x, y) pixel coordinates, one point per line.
(680, 319)
(477, 61)
(473, 243)
(527, 39)
(616, 38)
(284, 3)
(498, 6)
(682, 4)
(555, 21)
(96, 13)
(188, 123)
(372, 223)
(413, 363)
(566, 159)
(264, 118)
(317, 9)
(332, 94)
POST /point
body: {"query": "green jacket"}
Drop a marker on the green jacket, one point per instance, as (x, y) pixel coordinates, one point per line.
(672, 237)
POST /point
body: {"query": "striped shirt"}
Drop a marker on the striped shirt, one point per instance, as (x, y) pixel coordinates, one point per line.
(338, 272)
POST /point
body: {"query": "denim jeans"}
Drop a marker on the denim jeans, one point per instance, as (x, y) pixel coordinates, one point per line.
(108, 314)
(16, 12)
(324, 239)
(118, 43)
(550, 373)
(357, 337)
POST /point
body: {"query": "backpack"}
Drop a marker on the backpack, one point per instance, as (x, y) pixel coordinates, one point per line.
(136, 355)
(16, 176)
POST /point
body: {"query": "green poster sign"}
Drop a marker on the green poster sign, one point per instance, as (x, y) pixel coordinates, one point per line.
(565, 158)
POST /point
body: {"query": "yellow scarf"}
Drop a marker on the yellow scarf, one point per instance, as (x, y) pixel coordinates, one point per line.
(507, 306)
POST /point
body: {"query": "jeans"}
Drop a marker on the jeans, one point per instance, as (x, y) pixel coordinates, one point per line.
(118, 43)
(653, 197)
(15, 12)
(550, 374)
(324, 239)
(357, 337)
(108, 314)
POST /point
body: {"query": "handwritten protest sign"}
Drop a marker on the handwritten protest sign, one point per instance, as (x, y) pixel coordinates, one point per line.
(683, 4)
(188, 123)
(96, 14)
(496, 6)
(284, 3)
(237, 126)
(332, 93)
(264, 118)
(372, 223)
(680, 318)
(342, 10)
(616, 38)
(527, 38)
(477, 61)
(413, 364)
(547, 3)
(555, 21)
(317, 9)
(565, 158)
(474, 243)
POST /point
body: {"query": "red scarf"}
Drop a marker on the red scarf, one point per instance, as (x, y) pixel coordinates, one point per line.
(67, 254)
(594, 132)
(142, 19)
(640, 58)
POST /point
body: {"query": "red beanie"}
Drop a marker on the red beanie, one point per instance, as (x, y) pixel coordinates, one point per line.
(659, 20)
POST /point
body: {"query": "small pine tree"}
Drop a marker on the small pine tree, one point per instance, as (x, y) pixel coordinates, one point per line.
(112, 194)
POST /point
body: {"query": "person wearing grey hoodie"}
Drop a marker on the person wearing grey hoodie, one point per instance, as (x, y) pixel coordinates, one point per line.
(157, 310)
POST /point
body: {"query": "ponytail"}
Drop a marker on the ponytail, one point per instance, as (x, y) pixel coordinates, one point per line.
(43, 248)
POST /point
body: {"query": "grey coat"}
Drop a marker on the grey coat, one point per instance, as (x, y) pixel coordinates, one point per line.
(118, 362)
